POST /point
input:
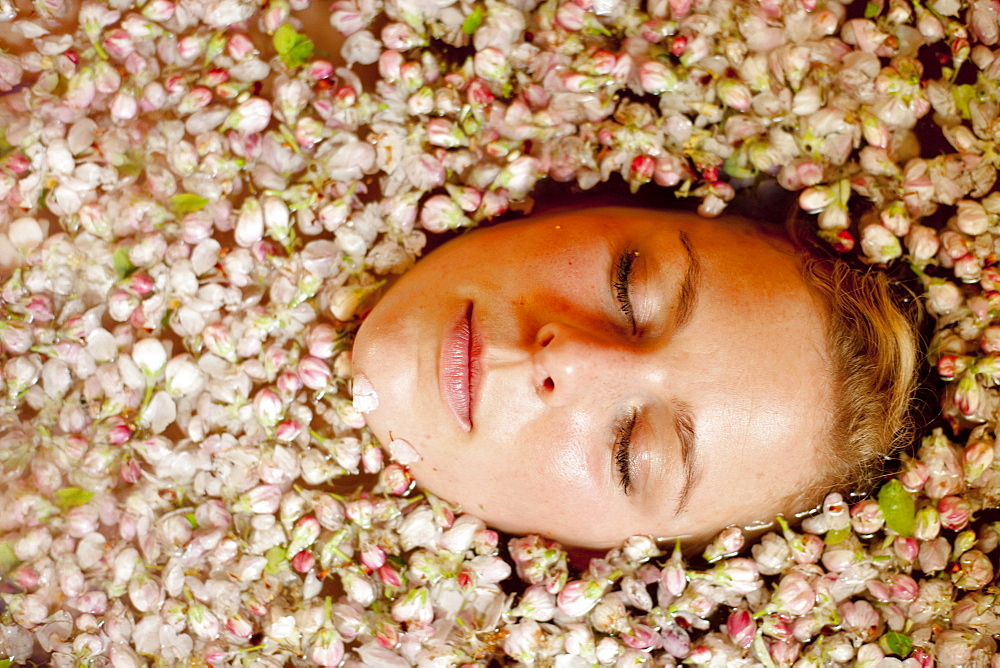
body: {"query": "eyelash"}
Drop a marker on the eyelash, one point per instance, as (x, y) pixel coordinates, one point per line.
(622, 452)
(623, 276)
(623, 272)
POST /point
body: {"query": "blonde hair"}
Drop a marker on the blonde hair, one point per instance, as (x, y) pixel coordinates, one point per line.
(874, 349)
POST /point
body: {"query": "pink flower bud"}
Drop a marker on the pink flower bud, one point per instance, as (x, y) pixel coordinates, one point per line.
(729, 541)
(656, 78)
(321, 341)
(641, 170)
(360, 512)
(522, 642)
(262, 500)
(267, 407)
(239, 626)
(396, 479)
(25, 577)
(906, 549)
(287, 431)
(150, 356)
(971, 217)
(914, 474)
(609, 615)
(202, 622)
(785, 652)
(537, 604)
(879, 590)
(314, 372)
(304, 534)
(977, 458)
(195, 99)
(372, 458)
(879, 244)
(922, 243)
(327, 649)
(373, 556)
(159, 10)
(485, 542)
(866, 517)
(794, 595)
(955, 512)
(118, 43)
(251, 116)
(741, 628)
(902, 587)
(303, 561)
(734, 93)
(579, 597)
(119, 433)
(977, 570)
(240, 47)
(943, 298)
(673, 579)
(389, 576)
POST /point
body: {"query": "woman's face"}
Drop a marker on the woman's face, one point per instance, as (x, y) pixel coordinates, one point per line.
(601, 373)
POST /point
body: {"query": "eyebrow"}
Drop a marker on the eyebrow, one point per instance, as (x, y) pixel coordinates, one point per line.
(684, 426)
(683, 414)
(689, 286)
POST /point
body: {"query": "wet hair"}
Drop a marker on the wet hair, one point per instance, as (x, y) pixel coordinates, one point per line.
(875, 354)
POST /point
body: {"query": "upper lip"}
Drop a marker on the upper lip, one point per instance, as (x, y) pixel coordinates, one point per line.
(460, 367)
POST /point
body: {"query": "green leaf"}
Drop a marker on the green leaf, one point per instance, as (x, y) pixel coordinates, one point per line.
(70, 497)
(192, 520)
(7, 557)
(897, 643)
(187, 203)
(6, 663)
(293, 47)
(835, 536)
(897, 508)
(123, 265)
(873, 9)
(473, 21)
(275, 557)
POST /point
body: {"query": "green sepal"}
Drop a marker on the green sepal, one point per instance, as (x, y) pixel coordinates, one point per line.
(897, 643)
(123, 265)
(473, 21)
(187, 203)
(834, 536)
(71, 497)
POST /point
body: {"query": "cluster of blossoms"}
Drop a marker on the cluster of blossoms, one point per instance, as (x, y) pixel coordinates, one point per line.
(194, 205)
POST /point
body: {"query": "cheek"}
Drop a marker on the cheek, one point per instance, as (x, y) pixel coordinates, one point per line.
(536, 481)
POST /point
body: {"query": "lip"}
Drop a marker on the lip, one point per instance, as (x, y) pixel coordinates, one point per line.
(460, 367)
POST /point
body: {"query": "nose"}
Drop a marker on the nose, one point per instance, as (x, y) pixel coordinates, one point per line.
(568, 360)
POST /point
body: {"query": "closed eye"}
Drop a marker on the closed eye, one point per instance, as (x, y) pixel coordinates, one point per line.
(623, 452)
(623, 277)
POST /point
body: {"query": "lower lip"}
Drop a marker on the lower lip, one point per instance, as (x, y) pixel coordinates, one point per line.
(459, 369)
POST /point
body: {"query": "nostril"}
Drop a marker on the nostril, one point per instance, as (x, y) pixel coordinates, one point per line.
(549, 384)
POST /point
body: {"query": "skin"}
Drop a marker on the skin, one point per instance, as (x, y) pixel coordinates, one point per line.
(564, 370)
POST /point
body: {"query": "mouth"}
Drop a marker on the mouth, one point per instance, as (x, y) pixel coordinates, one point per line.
(460, 368)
